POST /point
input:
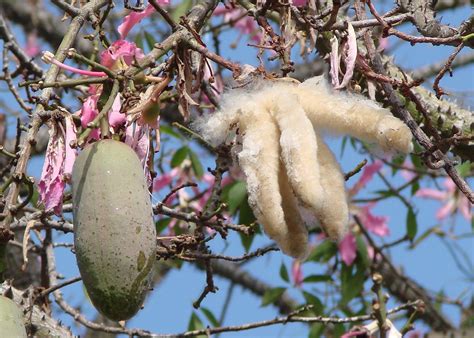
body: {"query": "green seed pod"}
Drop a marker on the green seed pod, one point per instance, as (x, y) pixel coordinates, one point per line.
(11, 319)
(114, 232)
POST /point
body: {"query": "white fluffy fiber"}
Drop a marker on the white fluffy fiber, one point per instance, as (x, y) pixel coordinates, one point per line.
(288, 166)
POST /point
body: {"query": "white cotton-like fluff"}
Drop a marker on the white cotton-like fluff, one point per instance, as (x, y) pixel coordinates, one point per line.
(291, 174)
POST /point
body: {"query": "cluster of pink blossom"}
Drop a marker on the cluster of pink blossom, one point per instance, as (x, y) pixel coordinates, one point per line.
(454, 200)
(60, 156)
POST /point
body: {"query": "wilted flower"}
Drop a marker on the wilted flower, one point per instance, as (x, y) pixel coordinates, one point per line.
(57, 167)
(350, 55)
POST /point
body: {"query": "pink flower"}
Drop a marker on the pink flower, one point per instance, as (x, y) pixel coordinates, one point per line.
(245, 24)
(353, 334)
(133, 18)
(32, 47)
(116, 119)
(120, 55)
(298, 3)
(297, 273)
(88, 113)
(376, 224)
(347, 249)
(58, 164)
(367, 175)
(453, 199)
(165, 180)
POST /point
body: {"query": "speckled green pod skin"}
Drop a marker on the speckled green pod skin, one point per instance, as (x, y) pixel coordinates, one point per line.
(114, 232)
(11, 319)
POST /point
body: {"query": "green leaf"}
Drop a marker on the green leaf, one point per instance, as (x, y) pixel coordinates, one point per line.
(196, 164)
(317, 279)
(323, 252)
(162, 224)
(414, 188)
(423, 236)
(271, 295)
(465, 168)
(317, 330)
(415, 159)
(210, 317)
(246, 215)
(412, 226)
(237, 195)
(311, 299)
(35, 197)
(166, 129)
(284, 273)
(179, 156)
(362, 251)
(352, 283)
(195, 323)
(139, 41)
(104, 96)
(343, 145)
(397, 161)
(150, 40)
(181, 10)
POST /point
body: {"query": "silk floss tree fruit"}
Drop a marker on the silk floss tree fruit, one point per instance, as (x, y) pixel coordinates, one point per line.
(293, 179)
(114, 232)
(11, 319)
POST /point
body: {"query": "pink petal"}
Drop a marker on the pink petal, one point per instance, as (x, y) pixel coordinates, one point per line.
(367, 174)
(351, 55)
(32, 47)
(88, 112)
(383, 43)
(165, 179)
(138, 138)
(449, 185)
(445, 210)
(376, 224)
(297, 273)
(431, 193)
(407, 174)
(116, 119)
(334, 61)
(465, 208)
(347, 249)
(120, 49)
(51, 184)
(132, 19)
(300, 2)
